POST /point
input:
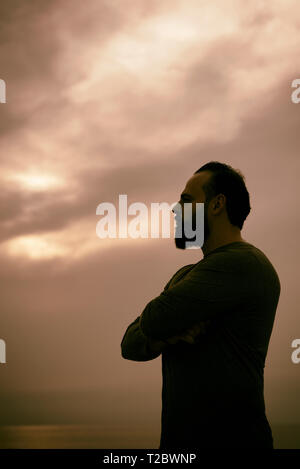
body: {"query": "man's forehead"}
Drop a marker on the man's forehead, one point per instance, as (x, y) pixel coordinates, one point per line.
(195, 183)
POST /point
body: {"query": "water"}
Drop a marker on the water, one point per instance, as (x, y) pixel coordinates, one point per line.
(97, 437)
(73, 436)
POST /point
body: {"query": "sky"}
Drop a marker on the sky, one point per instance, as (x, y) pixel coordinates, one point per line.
(132, 97)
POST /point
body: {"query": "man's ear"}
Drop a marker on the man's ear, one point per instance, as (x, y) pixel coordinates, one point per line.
(219, 201)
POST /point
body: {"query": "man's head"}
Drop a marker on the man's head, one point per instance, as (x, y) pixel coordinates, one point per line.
(226, 201)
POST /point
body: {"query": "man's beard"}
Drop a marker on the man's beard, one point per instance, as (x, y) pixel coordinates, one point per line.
(180, 242)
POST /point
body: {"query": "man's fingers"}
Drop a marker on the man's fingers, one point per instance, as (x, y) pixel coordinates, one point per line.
(188, 338)
(199, 328)
(173, 340)
(193, 331)
(185, 337)
(190, 334)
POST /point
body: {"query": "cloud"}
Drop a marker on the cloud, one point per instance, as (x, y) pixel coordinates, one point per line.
(131, 98)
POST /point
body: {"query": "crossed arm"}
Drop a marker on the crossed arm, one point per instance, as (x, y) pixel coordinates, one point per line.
(138, 347)
(213, 288)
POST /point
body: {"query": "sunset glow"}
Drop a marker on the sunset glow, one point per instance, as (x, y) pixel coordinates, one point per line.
(35, 181)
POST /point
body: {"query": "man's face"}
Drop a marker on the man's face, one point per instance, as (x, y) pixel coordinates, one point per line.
(192, 193)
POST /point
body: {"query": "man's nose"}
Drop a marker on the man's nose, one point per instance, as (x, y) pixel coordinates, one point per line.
(177, 208)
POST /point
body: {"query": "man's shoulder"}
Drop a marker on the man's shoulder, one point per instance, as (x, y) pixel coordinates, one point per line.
(240, 256)
(181, 271)
(177, 274)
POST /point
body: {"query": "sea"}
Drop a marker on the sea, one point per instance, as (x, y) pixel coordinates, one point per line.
(286, 436)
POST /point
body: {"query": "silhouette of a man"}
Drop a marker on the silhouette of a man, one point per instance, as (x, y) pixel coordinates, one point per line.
(212, 325)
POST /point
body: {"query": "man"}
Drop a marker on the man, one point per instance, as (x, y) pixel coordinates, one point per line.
(212, 325)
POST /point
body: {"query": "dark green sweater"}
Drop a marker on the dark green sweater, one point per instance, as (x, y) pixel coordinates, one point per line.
(213, 390)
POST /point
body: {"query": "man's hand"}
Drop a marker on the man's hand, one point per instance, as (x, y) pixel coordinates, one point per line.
(190, 334)
(187, 336)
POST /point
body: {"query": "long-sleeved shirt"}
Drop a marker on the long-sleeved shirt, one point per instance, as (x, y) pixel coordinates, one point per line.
(213, 390)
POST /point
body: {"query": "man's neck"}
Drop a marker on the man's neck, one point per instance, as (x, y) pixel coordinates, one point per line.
(214, 242)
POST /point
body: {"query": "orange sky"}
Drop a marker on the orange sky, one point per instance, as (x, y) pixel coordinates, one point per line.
(131, 97)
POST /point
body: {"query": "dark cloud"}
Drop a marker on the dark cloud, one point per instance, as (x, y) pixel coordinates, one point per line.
(271, 136)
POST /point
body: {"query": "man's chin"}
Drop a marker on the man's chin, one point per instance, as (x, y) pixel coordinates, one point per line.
(180, 243)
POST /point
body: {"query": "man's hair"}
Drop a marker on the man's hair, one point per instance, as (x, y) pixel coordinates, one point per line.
(230, 182)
